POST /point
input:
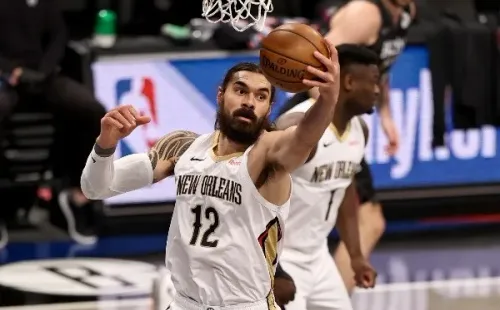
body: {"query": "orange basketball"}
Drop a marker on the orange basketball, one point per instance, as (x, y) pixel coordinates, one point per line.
(287, 51)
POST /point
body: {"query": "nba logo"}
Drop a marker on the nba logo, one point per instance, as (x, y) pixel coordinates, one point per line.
(139, 92)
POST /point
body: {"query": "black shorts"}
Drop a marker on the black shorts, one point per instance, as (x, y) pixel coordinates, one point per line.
(364, 184)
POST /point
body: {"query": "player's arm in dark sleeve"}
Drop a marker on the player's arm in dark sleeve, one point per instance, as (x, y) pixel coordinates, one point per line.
(103, 177)
(55, 29)
(347, 221)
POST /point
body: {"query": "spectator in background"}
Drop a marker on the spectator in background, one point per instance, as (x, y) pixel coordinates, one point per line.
(32, 44)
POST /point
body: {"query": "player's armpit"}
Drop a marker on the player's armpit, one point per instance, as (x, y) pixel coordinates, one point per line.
(347, 222)
(166, 152)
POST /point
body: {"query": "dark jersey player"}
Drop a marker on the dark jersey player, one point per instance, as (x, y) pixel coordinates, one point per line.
(382, 26)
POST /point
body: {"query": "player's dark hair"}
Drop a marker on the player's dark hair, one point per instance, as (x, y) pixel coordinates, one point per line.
(250, 67)
(352, 54)
(245, 66)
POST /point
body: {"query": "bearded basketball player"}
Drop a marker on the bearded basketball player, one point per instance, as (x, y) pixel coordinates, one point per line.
(324, 192)
(380, 25)
(233, 186)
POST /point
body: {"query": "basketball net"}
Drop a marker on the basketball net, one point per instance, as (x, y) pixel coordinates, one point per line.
(241, 14)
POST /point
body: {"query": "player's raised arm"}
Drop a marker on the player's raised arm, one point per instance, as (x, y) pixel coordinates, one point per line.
(358, 22)
(291, 148)
(104, 177)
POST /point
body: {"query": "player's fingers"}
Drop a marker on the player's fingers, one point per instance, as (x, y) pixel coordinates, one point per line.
(109, 121)
(324, 60)
(143, 119)
(120, 118)
(334, 56)
(133, 111)
(128, 115)
(311, 83)
(324, 76)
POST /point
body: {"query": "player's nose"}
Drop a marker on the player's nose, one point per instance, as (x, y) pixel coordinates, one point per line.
(248, 105)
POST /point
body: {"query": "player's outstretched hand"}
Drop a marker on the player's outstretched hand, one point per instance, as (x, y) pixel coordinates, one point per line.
(364, 274)
(119, 123)
(328, 82)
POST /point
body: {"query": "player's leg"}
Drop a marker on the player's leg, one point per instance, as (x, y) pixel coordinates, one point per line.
(302, 278)
(329, 291)
(371, 225)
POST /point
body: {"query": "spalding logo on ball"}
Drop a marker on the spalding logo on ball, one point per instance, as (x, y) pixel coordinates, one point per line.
(278, 69)
(287, 51)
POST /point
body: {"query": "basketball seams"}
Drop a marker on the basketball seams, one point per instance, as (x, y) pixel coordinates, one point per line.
(298, 34)
(284, 56)
(286, 47)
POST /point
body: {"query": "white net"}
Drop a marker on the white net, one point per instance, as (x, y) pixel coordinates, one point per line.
(241, 14)
(459, 294)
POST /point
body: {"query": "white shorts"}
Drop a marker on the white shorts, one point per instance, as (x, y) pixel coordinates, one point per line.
(182, 303)
(318, 282)
(163, 290)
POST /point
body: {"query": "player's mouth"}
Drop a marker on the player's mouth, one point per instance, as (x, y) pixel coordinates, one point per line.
(245, 119)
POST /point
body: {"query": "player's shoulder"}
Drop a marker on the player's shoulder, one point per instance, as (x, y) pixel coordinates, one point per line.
(293, 116)
(181, 134)
(364, 127)
(289, 120)
(175, 143)
(362, 7)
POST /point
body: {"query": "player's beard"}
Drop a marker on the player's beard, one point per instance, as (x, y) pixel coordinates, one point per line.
(240, 131)
(357, 108)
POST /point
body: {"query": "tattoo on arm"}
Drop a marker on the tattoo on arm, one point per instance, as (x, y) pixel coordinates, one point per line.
(153, 157)
(104, 152)
(170, 146)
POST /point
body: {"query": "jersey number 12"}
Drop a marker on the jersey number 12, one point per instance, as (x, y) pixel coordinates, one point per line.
(211, 215)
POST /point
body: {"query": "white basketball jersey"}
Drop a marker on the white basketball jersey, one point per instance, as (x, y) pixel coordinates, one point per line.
(319, 187)
(224, 238)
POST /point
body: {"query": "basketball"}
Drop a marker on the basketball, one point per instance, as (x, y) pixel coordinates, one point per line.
(287, 51)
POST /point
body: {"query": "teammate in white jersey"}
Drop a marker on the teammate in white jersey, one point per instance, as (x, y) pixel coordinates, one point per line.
(233, 186)
(324, 193)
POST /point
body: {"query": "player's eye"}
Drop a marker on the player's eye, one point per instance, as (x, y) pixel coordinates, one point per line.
(240, 91)
(261, 97)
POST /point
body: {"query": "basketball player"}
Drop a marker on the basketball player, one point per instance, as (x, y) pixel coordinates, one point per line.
(380, 25)
(233, 186)
(324, 191)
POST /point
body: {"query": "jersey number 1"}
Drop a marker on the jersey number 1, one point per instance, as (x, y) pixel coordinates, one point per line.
(211, 215)
(332, 193)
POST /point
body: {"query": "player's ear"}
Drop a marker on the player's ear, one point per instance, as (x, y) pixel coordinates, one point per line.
(220, 95)
(347, 81)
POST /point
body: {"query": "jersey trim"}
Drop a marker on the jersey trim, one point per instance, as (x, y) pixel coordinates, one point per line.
(215, 143)
(341, 137)
(268, 241)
